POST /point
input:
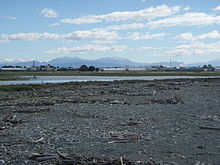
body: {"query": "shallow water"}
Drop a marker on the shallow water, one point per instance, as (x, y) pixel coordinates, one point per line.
(63, 79)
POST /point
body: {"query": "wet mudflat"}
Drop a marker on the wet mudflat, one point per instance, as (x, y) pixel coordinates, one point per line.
(121, 122)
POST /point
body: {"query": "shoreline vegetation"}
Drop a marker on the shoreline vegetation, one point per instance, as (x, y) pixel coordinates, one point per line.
(11, 78)
(14, 76)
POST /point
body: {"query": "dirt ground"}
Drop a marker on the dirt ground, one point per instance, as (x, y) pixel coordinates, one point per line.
(148, 122)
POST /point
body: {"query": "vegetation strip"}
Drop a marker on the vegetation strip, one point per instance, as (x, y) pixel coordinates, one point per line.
(13, 75)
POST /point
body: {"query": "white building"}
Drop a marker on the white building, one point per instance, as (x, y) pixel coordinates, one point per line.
(217, 69)
(13, 69)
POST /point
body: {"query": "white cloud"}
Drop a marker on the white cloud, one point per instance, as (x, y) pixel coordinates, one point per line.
(150, 48)
(103, 41)
(187, 19)
(216, 9)
(184, 36)
(147, 36)
(145, 14)
(144, 48)
(29, 36)
(8, 17)
(126, 26)
(81, 20)
(211, 35)
(189, 37)
(54, 24)
(88, 48)
(195, 48)
(97, 34)
(49, 13)
(76, 35)
(186, 8)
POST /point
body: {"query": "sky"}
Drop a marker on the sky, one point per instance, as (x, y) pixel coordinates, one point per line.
(187, 31)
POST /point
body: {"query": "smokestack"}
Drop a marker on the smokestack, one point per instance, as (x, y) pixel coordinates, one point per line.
(170, 63)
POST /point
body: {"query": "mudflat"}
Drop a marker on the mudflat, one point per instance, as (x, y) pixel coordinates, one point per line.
(120, 122)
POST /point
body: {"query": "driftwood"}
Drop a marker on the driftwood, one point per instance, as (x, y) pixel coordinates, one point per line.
(120, 141)
(45, 158)
(6, 118)
(62, 159)
(61, 156)
(9, 120)
(121, 160)
(106, 161)
(209, 128)
(42, 157)
(170, 163)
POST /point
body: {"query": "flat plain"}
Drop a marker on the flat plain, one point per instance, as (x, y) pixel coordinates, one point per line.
(156, 122)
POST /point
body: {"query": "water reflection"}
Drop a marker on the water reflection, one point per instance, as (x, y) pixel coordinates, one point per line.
(63, 79)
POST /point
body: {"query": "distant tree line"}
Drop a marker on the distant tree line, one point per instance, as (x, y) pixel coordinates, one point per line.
(208, 67)
(85, 68)
(82, 68)
(11, 66)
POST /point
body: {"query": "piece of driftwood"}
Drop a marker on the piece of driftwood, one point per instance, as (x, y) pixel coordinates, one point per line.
(42, 157)
(119, 141)
(171, 163)
(207, 153)
(6, 118)
(210, 128)
(61, 156)
(45, 158)
(121, 160)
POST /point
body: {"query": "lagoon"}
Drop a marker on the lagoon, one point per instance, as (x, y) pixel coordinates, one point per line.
(64, 79)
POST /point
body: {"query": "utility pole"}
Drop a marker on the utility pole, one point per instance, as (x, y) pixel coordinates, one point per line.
(170, 63)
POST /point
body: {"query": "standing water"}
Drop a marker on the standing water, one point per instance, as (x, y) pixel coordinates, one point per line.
(63, 79)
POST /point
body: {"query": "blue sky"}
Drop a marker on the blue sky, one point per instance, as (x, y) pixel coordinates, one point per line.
(140, 30)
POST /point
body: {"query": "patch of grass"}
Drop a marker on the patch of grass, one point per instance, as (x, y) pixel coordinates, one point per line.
(10, 78)
(13, 88)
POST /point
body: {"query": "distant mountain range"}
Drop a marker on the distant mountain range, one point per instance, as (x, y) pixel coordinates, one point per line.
(101, 62)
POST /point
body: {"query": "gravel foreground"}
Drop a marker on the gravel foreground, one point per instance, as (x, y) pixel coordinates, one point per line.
(122, 122)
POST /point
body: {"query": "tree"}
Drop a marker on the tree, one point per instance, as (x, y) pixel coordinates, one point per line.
(91, 68)
(83, 68)
(210, 66)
